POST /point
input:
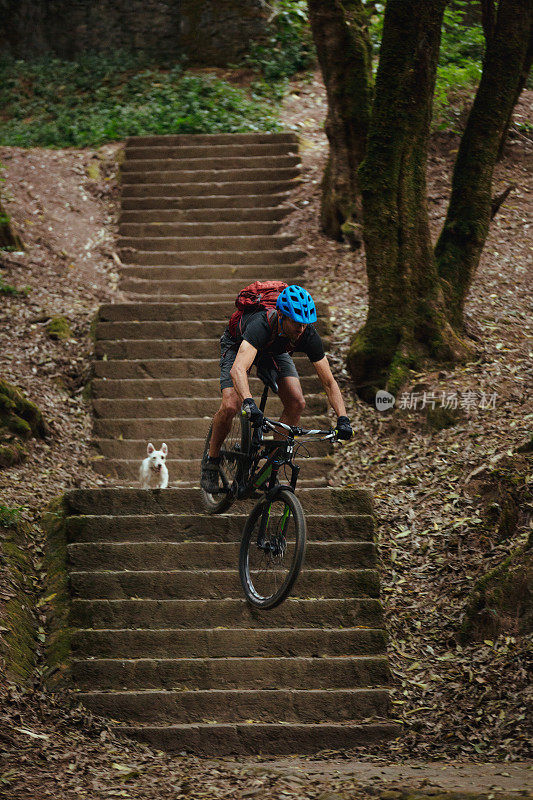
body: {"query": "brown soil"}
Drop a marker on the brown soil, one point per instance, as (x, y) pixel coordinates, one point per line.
(459, 704)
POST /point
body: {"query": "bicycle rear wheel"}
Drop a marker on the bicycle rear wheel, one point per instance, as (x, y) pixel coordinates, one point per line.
(272, 549)
(232, 464)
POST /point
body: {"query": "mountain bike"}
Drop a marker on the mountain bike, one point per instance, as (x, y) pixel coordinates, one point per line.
(274, 536)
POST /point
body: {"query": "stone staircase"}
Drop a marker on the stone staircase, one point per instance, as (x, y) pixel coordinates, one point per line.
(163, 641)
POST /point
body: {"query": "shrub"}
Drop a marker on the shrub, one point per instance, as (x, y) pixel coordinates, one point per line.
(100, 98)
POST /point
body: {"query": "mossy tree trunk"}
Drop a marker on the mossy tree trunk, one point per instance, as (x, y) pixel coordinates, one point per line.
(467, 222)
(342, 40)
(406, 321)
(9, 240)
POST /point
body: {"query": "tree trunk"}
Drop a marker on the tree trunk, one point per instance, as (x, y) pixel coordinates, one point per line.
(526, 67)
(344, 52)
(406, 321)
(467, 222)
(9, 240)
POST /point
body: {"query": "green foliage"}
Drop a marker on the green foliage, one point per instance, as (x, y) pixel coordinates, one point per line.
(100, 98)
(289, 46)
(10, 517)
(460, 60)
(8, 289)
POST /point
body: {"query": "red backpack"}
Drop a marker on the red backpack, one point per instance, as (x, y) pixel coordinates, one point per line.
(258, 295)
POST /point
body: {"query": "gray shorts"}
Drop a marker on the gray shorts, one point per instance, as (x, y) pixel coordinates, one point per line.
(284, 364)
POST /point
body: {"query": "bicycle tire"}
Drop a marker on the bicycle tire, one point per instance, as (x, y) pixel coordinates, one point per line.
(240, 434)
(249, 544)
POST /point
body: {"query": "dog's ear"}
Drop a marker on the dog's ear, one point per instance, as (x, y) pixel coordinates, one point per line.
(150, 449)
(164, 449)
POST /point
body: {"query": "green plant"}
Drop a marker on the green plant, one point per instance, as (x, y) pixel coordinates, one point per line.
(288, 48)
(9, 517)
(461, 55)
(8, 289)
(100, 98)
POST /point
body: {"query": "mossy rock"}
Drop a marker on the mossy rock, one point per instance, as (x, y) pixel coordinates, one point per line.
(502, 600)
(505, 493)
(56, 597)
(439, 418)
(11, 454)
(19, 417)
(59, 328)
(18, 627)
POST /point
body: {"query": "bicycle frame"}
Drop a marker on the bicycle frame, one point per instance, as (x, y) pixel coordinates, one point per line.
(278, 453)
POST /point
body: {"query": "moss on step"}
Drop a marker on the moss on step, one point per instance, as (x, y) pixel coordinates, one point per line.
(18, 627)
(56, 593)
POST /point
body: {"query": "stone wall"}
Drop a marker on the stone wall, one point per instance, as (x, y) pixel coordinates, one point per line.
(211, 32)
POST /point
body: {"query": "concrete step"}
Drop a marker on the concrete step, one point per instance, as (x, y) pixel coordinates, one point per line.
(179, 501)
(186, 310)
(252, 672)
(238, 705)
(165, 407)
(236, 228)
(130, 275)
(161, 348)
(162, 290)
(173, 329)
(293, 613)
(178, 387)
(175, 368)
(166, 429)
(135, 152)
(213, 584)
(260, 739)
(188, 470)
(169, 216)
(177, 174)
(180, 244)
(209, 189)
(195, 139)
(194, 258)
(130, 449)
(153, 555)
(235, 642)
(213, 201)
(205, 163)
(222, 528)
(148, 166)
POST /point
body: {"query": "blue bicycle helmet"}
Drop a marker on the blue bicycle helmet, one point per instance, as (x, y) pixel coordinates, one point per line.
(297, 304)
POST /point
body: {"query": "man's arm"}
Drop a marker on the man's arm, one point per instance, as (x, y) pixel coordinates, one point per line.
(239, 371)
(330, 385)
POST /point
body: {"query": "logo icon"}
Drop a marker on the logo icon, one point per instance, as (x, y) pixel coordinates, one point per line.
(384, 400)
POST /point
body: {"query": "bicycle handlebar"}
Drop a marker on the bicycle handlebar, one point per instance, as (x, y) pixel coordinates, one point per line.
(297, 431)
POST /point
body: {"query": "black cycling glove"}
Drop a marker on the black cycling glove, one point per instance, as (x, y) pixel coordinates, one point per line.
(250, 409)
(344, 429)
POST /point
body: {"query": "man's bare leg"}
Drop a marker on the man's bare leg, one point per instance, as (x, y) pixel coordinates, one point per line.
(291, 395)
(223, 419)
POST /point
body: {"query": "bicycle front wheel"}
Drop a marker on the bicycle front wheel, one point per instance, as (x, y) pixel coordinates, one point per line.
(272, 550)
(233, 462)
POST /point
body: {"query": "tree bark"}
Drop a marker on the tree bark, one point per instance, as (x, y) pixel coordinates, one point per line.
(526, 67)
(406, 322)
(9, 240)
(344, 50)
(466, 227)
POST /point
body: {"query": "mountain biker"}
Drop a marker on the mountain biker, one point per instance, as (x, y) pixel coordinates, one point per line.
(270, 336)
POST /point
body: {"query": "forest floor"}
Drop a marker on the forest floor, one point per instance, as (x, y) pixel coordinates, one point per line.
(463, 706)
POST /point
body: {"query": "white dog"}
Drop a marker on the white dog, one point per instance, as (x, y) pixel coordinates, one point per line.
(153, 472)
